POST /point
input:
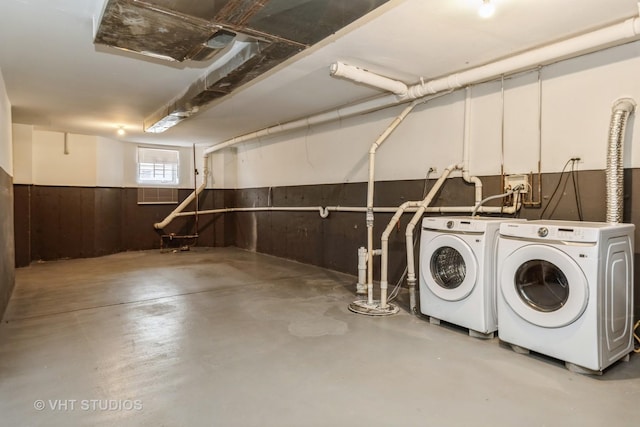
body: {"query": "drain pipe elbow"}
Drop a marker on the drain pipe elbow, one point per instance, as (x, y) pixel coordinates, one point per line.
(476, 182)
(324, 212)
(626, 105)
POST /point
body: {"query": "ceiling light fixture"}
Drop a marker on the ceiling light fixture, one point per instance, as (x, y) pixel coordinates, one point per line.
(486, 9)
(121, 131)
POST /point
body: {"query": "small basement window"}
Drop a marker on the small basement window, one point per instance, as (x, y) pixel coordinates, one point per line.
(158, 166)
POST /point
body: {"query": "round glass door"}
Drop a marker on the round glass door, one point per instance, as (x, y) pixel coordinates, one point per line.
(543, 285)
(448, 267)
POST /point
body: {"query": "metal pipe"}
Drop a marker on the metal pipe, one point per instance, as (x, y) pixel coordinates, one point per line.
(614, 173)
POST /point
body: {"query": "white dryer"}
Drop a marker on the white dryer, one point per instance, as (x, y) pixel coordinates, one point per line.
(458, 272)
(566, 291)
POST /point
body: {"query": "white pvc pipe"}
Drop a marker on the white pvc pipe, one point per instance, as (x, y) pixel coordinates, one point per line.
(325, 117)
(606, 37)
(370, 186)
(362, 270)
(384, 246)
(466, 144)
(359, 75)
(411, 275)
(162, 224)
(421, 208)
(324, 211)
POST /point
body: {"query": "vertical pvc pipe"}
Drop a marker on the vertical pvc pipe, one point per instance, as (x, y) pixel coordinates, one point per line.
(370, 191)
(466, 144)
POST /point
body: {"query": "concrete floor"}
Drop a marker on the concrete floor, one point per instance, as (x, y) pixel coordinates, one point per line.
(225, 337)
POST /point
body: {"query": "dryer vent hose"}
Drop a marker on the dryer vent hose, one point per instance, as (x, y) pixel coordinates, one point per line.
(614, 172)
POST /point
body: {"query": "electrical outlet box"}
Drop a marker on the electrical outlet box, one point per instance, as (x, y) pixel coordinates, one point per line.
(512, 181)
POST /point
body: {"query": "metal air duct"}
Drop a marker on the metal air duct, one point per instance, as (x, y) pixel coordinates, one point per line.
(614, 173)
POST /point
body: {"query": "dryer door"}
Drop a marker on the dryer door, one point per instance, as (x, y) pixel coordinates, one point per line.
(449, 267)
(544, 286)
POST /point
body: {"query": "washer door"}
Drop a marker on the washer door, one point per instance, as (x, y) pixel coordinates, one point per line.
(544, 286)
(449, 267)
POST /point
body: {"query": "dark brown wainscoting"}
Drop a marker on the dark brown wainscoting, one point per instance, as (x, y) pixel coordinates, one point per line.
(7, 251)
(71, 222)
(79, 222)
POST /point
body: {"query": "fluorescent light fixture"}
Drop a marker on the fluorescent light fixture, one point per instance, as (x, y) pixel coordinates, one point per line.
(487, 9)
(167, 121)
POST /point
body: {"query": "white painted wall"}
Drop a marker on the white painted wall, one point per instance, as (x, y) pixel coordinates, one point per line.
(92, 161)
(109, 162)
(51, 166)
(6, 151)
(223, 171)
(22, 153)
(577, 95)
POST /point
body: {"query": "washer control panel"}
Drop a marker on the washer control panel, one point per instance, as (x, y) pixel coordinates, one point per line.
(563, 231)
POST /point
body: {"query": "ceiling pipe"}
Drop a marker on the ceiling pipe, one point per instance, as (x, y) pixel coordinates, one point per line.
(606, 37)
(370, 189)
(614, 172)
(324, 117)
(359, 75)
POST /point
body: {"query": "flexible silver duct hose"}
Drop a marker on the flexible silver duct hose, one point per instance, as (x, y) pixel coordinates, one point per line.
(614, 173)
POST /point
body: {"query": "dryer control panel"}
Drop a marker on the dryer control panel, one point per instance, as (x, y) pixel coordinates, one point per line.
(564, 231)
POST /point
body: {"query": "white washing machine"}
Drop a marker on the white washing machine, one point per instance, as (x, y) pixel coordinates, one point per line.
(458, 272)
(566, 291)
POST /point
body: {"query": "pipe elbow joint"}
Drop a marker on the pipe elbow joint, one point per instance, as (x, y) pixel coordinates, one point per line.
(624, 104)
